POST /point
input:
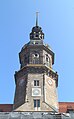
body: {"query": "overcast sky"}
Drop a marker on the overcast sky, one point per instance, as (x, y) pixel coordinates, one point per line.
(56, 17)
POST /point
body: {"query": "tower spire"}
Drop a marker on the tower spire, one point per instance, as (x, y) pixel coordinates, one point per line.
(37, 33)
(37, 18)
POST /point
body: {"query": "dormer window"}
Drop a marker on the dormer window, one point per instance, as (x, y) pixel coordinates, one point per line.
(1, 110)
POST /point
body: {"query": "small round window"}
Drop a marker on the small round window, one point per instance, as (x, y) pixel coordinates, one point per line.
(36, 55)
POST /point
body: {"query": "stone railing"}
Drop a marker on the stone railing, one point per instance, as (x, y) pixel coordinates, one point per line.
(36, 115)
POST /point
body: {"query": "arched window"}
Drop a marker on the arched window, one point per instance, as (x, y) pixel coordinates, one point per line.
(35, 58)
(47, 60)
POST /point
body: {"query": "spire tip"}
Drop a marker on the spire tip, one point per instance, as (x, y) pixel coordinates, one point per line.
(37, 18)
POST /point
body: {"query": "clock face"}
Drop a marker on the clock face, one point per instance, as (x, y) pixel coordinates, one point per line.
(50, 82)
(36, 91)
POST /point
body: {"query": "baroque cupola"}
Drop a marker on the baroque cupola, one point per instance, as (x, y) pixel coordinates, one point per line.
(37, 33)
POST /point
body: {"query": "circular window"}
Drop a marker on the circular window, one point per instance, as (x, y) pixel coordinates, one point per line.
(36, 55)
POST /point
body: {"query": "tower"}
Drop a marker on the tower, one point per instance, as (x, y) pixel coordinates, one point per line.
(36, 81)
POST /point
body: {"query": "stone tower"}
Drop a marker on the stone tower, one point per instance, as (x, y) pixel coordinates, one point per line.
(36, 81)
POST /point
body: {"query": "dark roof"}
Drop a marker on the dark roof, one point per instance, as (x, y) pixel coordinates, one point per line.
(63, 107)
(6, 107)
